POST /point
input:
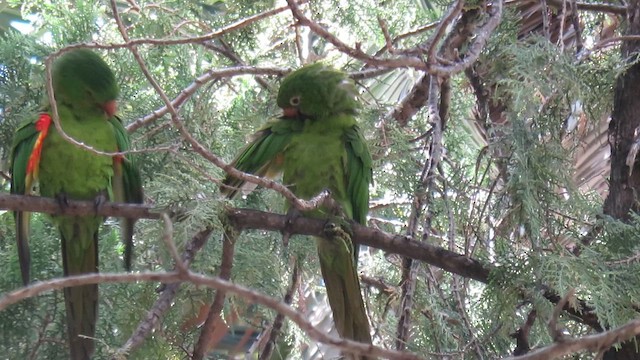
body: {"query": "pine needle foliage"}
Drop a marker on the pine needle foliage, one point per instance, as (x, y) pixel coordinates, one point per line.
(505, 192)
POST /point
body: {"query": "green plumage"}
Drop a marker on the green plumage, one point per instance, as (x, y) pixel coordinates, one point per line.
(317, 145)
(85, 92)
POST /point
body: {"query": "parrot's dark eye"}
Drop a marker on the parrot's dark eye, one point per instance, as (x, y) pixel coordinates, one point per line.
(295, 101)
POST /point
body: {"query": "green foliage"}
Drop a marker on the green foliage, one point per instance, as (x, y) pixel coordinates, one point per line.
(506, 195)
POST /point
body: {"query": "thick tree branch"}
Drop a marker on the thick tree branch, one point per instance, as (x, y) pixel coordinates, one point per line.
(255, 219)
(522, 334)
(75, 207)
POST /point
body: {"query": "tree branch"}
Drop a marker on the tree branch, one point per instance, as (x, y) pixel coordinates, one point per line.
(226, 264)
(250, 295)
(594, 343)
(165, 300)
(187, 92)
(255, 219)
(357, 53)
(278, 322)
(76, 207)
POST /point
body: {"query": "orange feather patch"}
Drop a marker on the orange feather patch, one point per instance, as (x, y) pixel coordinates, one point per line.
(42, 126)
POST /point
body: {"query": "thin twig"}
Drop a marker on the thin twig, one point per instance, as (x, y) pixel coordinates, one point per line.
(167, 237)
(595, 7)
(387, 38)
(594, 343)
(453, 13)
(201, 80)
(357, 53)
(228, 52)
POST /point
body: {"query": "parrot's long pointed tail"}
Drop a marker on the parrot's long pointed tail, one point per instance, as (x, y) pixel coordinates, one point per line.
(80, 256)
(343, 290)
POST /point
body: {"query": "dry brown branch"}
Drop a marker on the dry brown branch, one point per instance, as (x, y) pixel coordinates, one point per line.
(203, 345)
(421, 204)
(255, 219)
(552, 325)
(453, 13)
(522, 334)
(481, 36)
(575, 21)
(169, 292)
(593, 343)
(250, 295)
(594, 7)
(226, 50)
(379, 284)
(51, 206)
(278, 322)
(413, 102)
(357, 53)
(203, 79)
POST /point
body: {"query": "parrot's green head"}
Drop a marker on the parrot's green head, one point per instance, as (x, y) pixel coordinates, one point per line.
(85, 83)
(316, 91)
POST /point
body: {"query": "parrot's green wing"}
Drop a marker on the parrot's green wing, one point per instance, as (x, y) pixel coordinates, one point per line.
(127, 186)
(263, 156)
(24, 142)
(359, 173)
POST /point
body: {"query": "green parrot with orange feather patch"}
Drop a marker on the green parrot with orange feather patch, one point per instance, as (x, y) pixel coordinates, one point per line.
(85, 90)
(317, 145)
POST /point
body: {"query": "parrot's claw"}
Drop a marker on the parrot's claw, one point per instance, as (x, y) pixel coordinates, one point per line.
(63, 201)
(337, 228)
(99, 201)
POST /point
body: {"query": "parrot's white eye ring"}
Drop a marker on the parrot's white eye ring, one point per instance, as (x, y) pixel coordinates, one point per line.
(295, 101)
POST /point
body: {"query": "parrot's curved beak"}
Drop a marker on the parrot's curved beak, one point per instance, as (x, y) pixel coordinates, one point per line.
(110, 108)
(290, 112)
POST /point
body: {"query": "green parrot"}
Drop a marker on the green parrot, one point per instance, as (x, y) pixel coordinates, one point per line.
(317, 145)
(85, 91)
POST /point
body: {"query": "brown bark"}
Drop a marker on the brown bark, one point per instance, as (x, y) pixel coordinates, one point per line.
(624, 184)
